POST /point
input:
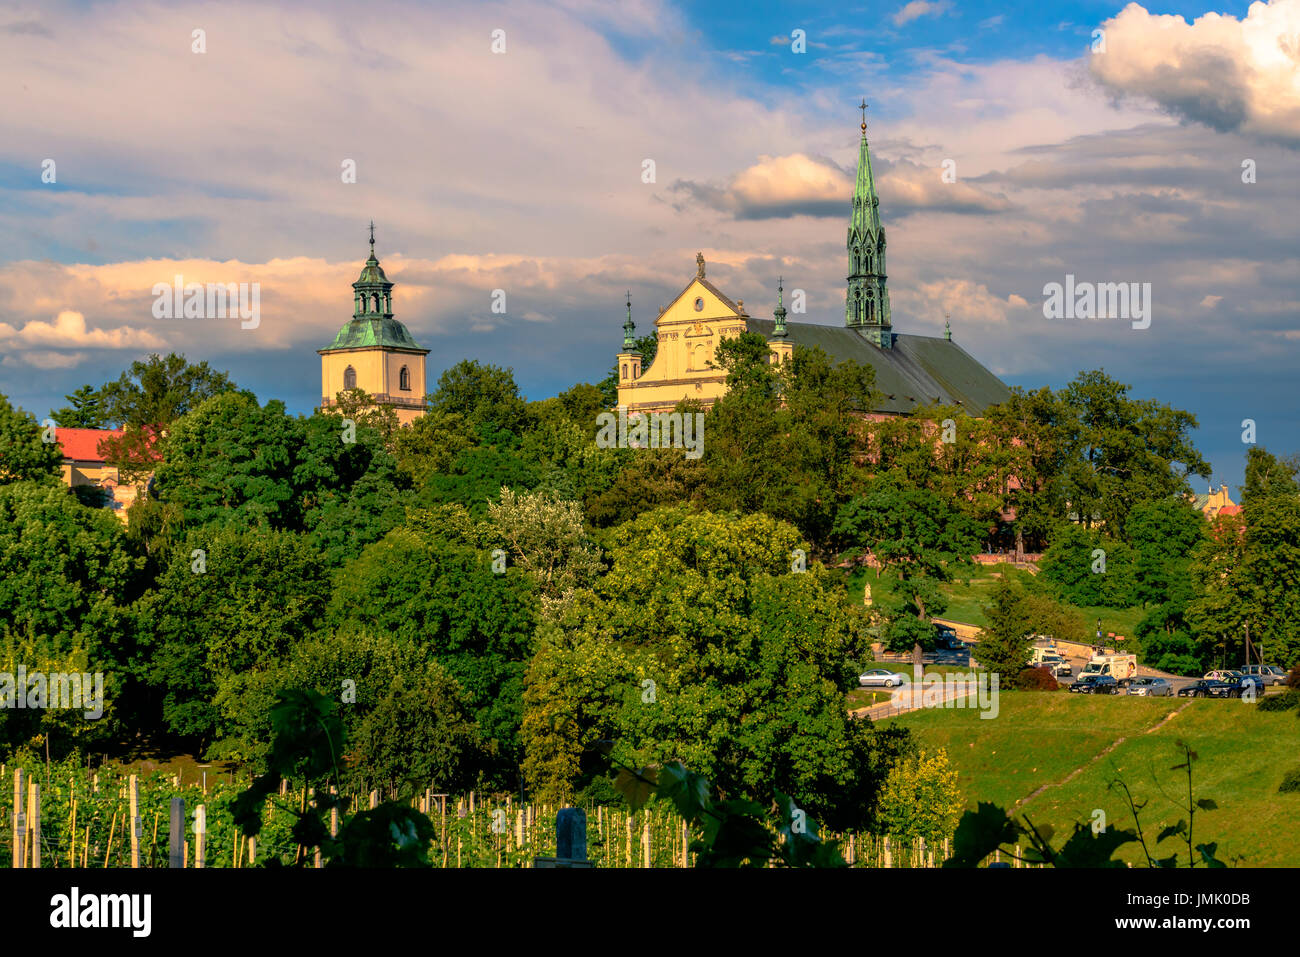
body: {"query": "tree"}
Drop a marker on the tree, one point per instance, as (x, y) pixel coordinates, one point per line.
(1029, 429)
(67, 577)
(1224, 601)
(1267, 476)
(916, 536)
(159, 391)
(725, 658)
(419, 734)
(485, 396)
(231, 461)
(1272, 571)
(85, 412)
(25, 456)
(1122, 451)
(1089, 568)
(442, 598)
(921, 799)
(66, 571)
(783, 439)
(1163, 533)
(545, 537)
(145, 401)
(230, 606)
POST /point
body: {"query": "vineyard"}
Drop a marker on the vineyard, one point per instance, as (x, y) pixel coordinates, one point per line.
(85, 821)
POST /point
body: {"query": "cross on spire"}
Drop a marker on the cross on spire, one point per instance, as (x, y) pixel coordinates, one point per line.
(372, 235)
(863, 108)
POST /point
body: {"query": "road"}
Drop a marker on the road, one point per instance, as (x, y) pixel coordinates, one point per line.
(902, 698)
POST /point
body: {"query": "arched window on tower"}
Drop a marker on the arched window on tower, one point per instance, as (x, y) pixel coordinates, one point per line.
(404, 377)
(376, 302)
(349, 378)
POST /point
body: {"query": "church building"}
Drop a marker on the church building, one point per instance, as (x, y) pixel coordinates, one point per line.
(373, 351)
(911, 371)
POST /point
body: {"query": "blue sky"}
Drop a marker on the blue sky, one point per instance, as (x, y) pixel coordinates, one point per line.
(522, 171)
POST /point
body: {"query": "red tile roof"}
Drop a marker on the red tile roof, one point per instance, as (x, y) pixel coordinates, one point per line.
(82, 445)
(1230, 510)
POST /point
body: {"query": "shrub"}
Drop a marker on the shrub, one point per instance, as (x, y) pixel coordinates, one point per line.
(1036, 679)
(1280, 702)
(1290, 782)
(921, 799)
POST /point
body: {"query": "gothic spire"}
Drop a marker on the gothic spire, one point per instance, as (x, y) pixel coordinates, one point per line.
(866, 305)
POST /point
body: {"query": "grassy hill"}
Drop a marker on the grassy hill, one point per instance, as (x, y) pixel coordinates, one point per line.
(1052, 755)
(968, 596)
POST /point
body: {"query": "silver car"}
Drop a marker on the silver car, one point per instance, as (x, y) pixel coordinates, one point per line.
(878, 677)
(1150, 687)
(1269, 674)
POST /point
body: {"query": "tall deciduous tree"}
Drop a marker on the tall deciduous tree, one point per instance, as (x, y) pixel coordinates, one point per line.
(918, 536)
(25, 456)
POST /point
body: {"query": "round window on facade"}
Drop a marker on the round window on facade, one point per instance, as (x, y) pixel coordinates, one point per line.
(699, 305)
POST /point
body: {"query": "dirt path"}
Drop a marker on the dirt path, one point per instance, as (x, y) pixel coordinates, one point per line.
(1101, 754)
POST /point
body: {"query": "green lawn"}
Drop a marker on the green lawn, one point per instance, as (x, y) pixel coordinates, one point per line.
(1041, 738)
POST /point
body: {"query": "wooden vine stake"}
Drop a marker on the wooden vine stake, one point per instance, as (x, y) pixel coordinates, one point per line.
(34, 822)
(136, 827)
(200, 834)
(20, 820)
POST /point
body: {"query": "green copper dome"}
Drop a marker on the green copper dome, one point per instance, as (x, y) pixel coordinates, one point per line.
(372, 322)
(378, 331)
(372, 272)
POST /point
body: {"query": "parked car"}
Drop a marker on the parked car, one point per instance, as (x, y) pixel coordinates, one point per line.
(1269, 674)
(878, 677)
(1247, 682)
(1150, 687)
(1223, 674)
(1095, 684)
(1203, 688)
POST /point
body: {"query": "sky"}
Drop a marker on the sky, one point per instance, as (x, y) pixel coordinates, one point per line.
(507, 146)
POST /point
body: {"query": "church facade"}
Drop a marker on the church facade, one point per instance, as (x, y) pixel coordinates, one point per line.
(373, 351)
(911, 371)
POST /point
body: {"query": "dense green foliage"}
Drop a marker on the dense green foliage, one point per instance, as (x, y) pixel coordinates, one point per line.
(484, 593)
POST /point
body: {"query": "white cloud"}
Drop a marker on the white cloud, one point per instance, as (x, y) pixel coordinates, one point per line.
(69, 329)
(1226, 73)
(919, 8)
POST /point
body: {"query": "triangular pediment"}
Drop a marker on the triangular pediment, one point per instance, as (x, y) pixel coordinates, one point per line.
(700, 301)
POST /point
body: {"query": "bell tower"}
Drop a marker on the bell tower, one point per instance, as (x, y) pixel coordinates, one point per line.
(373, 351)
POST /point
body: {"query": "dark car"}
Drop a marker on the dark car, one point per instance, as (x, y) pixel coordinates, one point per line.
(1203, 688)
(1246, 683)
(1095, 684)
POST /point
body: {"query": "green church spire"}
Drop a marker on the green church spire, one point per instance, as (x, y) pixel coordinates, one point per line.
(779, 331)
(867, 304)
(629, 327)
